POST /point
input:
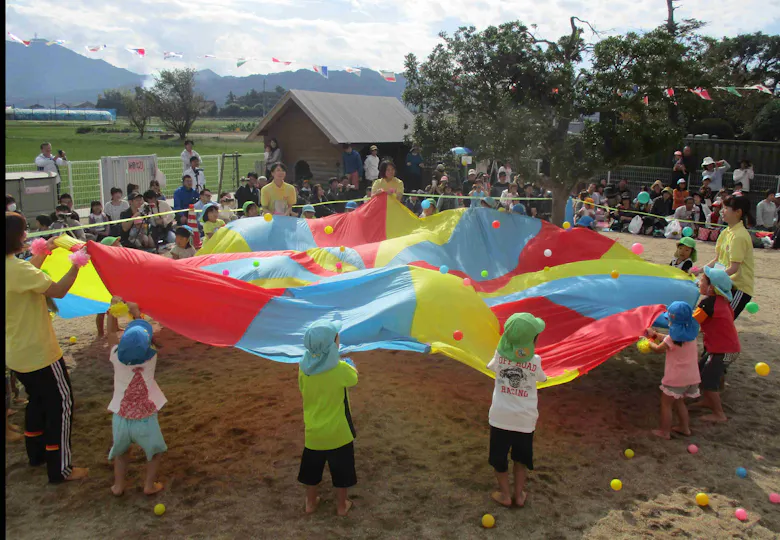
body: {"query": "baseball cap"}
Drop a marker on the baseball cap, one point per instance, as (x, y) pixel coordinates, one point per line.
(308, 208)
(373, 147)
(682, 326)
(720, 280)
(681, 181)
(351, 204)
(472, 171)
(691, 243)
(322, 353)
(517, 341)
(109, 240)
(135, 345)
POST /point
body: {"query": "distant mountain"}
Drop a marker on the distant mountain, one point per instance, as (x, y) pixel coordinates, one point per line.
(41, 74)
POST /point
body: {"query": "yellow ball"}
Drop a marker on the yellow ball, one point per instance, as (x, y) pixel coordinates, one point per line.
(72, 339)
(341, 249)
(566, 225)
(488, 521)
(643, 345)
(762, 369)
(546, 268)
(328, 230)
(702, 499)
(268, 217)
(629, 453)
(502, 209)
(615, 274)
(616, 484)
(159, 509)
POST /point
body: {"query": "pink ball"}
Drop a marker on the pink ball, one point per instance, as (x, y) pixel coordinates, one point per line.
(338, 266)
(637, 248)
(695, 269)
(467, 282)
(225, 272)
(774, 498)
(692, 449)
(741, 514)
(457, 335)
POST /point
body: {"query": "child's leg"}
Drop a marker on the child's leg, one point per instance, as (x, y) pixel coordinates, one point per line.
(343, 504)
(500, 443)
(503, 495)
(150, 486)
(100, 319)
(519, 470)
(713, 398)
(120, 474)
(312, 498)
(684, 427)
(310, 475)
(666, 417)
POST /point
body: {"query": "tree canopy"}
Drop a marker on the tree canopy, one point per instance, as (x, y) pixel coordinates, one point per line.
(175, 101)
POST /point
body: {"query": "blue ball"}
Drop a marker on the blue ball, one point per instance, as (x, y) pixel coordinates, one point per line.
(426, 204)
(444, 269)
(741, 472)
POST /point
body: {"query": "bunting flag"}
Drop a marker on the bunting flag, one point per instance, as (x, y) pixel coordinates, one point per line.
(19, 40)
(209, 56)
(389, 76)
(762, 88)
(59, 42)
(277, 61)
(94, 48)
(729, 89)
(646, 100)
(240, 62)
(669, 92)
(168, 55)
(702, 93)
(354, 71)
(322, 70)
(138, 52)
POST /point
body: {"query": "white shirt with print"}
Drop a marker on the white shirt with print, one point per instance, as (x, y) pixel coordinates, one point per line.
(123, 376)
(515, 402)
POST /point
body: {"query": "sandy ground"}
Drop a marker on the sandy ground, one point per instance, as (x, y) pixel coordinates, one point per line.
(234, 428)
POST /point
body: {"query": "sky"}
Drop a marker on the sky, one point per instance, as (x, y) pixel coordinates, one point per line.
(376, 34)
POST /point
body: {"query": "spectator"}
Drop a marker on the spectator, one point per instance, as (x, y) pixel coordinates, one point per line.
(49, 163)
(737, 189)
(114, 208)
(413, 203)
(680, 194)
(706, 191)
(439, 172)
(413, 167)
(210, 220)
(508, 171)
(580, 200)
(319, 200)
(468, 185)
(744, 174)
(624, 190)
(160, 227)
(350, 192)
(352, 165)
(335, 194)
(133, 187)
(701, 211)
(97, 217)
(183, 197)
(63, 220)
(388, 182)
(204, 198)
(500, 186)
(249, 191)
(655, 189)
(587, 210)
(308, 212)
(716, 218)
(274, 158)
(488, 202)
(154, 185)
(599, 198)
(685, 212)
(278, 197)
(66, 200)
(196, 173)
(351, 206)
(183, 248)
(518, 208)
(371, 165)
(10, 203)
(447, 203)
(43, 223)
(227, 205)
(478, 192)
(622, 215)
(766, 213)
(507, 196)
(714, 171)
(250, 209)
(135, 233)
(187, 154)
(532, 207)
(612, 195)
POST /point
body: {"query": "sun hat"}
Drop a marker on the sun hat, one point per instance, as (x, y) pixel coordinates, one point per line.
(135, 345)
(440, 167)
(205, 210)
(109, 240)
(322, 353)
(584, 221)
(707, 161)
(373, 147)
(308, 208)
(472, 171)
(687, 241)
(657, 183)
(246, 206)
(589, 200)
(720, 281)
(682, 326)
(519, 209)
(351, 204)
(677, 153)
(668, 190)
(490, 201)
(517, 341)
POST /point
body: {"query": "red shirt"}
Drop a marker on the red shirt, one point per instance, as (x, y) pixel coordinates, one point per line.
(717, 324)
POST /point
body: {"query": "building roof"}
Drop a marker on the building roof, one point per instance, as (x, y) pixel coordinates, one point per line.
(346, 118)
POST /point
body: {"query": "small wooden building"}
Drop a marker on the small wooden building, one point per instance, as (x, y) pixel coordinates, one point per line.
(311, 127)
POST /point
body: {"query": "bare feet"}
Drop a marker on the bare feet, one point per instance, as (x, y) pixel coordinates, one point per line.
(12, 436)
(20, 401)
(701, 404)
(520, 501)
(117, 490)
(662, 434)
(347, 507)
(156, 488)
(78, 473)
(681, 431)
(715, 418)
(312, 507)
(501, 499)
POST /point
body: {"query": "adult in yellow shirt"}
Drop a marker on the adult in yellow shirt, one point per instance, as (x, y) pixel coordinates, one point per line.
(278, 197)
(734, 251)
(387, 181)
(33, 354)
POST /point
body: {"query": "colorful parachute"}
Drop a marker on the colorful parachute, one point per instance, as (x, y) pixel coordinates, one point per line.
(257, 285)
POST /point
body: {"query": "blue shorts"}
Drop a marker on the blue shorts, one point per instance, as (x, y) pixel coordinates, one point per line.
(145, 433)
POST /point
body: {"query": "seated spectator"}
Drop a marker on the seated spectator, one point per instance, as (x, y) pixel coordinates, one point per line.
(160, 227)
(211, 221)
(716, 218)
(413, 203)
(97, 217)
(518, 208)
(43, 223)
(135, 234)
(766, 212)
(701, 212)
(685, 212)
(133, 187)
(655, 189)
(305, 188)
(204, 198)
(227, 206)
(318, 199)
(249, 190)
(64, 220)
(183, 248)
(250, 209)
(623, 190)
(300, 201)
(622, 215)
(580, 201)
(680, 194)
(531, 206)
(183, 197)
(449, 202)
(114, 208)
(154, 185)
(350, 192)
(308, 212)
(509, 196)
(66, 200)
(612, 194)
(351, 206)
(706, 191)
(336, 193)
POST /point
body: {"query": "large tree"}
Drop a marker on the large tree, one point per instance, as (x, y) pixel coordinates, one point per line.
(139, 106)
(175, 101)
(504, 92)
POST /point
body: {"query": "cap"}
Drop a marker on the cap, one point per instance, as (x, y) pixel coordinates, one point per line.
(518, 209)
(472, 171)
(668, 190)
(308, 208)
(720, 280)
(135, 345)
(687, 241)
(351, 204)
(322, 353)
(373, 147)
(677, 153)
(246, 206)
(490, 201)
(681, 181)
(517, 341)
(682, 326)
(109, 240)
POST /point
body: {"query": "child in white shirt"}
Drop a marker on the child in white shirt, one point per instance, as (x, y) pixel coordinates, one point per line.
(513, 412)
(183, 249)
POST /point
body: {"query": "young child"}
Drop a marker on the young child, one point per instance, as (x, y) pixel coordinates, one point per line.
(685, 255)
(681, 370)
(97, 217)
(137, 400)
(721, 341)
(183, 248)
(250, 209)
(43, 223)
(324, 380)
(211, 221)
(308, 212)
(514, 412)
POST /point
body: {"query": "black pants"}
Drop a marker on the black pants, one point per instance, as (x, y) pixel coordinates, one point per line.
(739, 301)
(47, 422)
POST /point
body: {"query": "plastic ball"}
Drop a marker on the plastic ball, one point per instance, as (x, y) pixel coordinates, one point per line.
(774, 498)
(614, 274)
(629, 453)
(342, 249)
(616, 484)
(693, 449)
(702, 499)
(687, 231)
(496, 224)
(566, 225)
(425, 204)
(742, 472)
(740, 514)
(637, 249)
(502, 209)
(72, 339)
(328, 229)
(484, 273)
(256, 264)
(643, 345)
(751, 307)
(467, 282)
(338, 266)
(225, 272)
(268, 217)
(762, 369)
(548, 253)
(444, 269)
(643, 197)
(457, 335)
(488, 521)
(546, 268)
(159, 509)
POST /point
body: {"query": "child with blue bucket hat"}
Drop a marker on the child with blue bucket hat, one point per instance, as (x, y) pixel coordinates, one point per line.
(681, 369)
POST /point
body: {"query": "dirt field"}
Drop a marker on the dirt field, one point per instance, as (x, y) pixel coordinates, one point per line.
(234, 427)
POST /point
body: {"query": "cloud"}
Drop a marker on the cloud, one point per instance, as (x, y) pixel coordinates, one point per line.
(337, 33)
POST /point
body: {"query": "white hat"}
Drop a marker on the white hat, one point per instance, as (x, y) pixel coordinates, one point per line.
(472, 171)
(707, 161)
(501, 170)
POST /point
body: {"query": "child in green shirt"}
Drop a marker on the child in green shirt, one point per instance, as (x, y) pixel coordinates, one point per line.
(323, 379)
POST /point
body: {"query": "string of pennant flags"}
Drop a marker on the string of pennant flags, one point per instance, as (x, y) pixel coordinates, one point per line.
(388, 76)
(703, 93)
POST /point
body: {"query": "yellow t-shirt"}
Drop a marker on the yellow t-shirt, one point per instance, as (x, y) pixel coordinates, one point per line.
(277, 200)
(387, 185)
(30, 342)
(734, 245)
(209, 226)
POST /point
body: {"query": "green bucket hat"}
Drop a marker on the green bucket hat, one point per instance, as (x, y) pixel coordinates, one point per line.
(691, 243)
(517, 341)
(247, 205)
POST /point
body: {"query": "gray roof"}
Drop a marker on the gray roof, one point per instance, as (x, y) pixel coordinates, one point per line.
(347, 118)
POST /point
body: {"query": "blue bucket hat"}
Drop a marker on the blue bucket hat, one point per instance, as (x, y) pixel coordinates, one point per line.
(518, 209)
(351, 204)
(720, 280)
(490, 201)
(308, 208)
(322, 353)
(205, 208)
(585, 221)
(135, 346)
(682, 326)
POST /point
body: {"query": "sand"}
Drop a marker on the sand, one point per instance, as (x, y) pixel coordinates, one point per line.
(233, 424)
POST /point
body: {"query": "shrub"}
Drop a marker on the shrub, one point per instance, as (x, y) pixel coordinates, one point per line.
(714, 126)
(83, 129)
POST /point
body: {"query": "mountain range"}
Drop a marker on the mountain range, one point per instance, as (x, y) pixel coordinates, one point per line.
(48, 75)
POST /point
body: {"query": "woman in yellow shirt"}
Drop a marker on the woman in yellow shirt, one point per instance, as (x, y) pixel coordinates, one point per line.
(387, 181)
(33, 354)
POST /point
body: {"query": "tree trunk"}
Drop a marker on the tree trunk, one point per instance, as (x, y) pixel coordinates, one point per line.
(560, 198)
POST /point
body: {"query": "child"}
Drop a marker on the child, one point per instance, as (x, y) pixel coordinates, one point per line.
(721, 341)
(250, 209)
(226, 203)
(100, 318)
(685, 255)
(65, 221)
(308, 212)
(137, 399)
(514, 412)
(429, 209)
(324, 380)
(681, 371)
(351, 206)
(43, 223)
(680, 194)
(97, 217)
(183, 248)
(211, 221)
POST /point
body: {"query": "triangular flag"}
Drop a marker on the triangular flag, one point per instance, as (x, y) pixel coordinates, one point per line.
(240, 62)
(209, 56)
(646, 100)
(19, 40)
(669, 92)
(730, 90)
(277, 61)
(94, 48)
(322, 70)
(762, 88)
(354, 71)
(168, 55)
(55, 42)
(389, 76)
(138, 52)
(635, 88)
(702, 93)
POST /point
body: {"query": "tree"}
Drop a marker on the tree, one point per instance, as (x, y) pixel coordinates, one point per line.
(112, 99)
(139, 109)
(766, 125)
(175, 101)
(231, 98)
(503, 92)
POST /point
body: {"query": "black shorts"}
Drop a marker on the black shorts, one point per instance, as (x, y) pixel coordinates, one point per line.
(341, 463)
(521, 444)
(712, 367)
(739, 301)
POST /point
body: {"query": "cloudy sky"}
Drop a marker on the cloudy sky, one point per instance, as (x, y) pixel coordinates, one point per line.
(336, 33)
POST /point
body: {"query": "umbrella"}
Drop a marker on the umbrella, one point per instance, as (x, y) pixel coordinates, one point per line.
(460, 150)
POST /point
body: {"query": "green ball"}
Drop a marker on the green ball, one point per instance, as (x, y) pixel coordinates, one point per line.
(643, 197)
(484, 273)
(751, 307)
(687, 231)
(256, 264)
